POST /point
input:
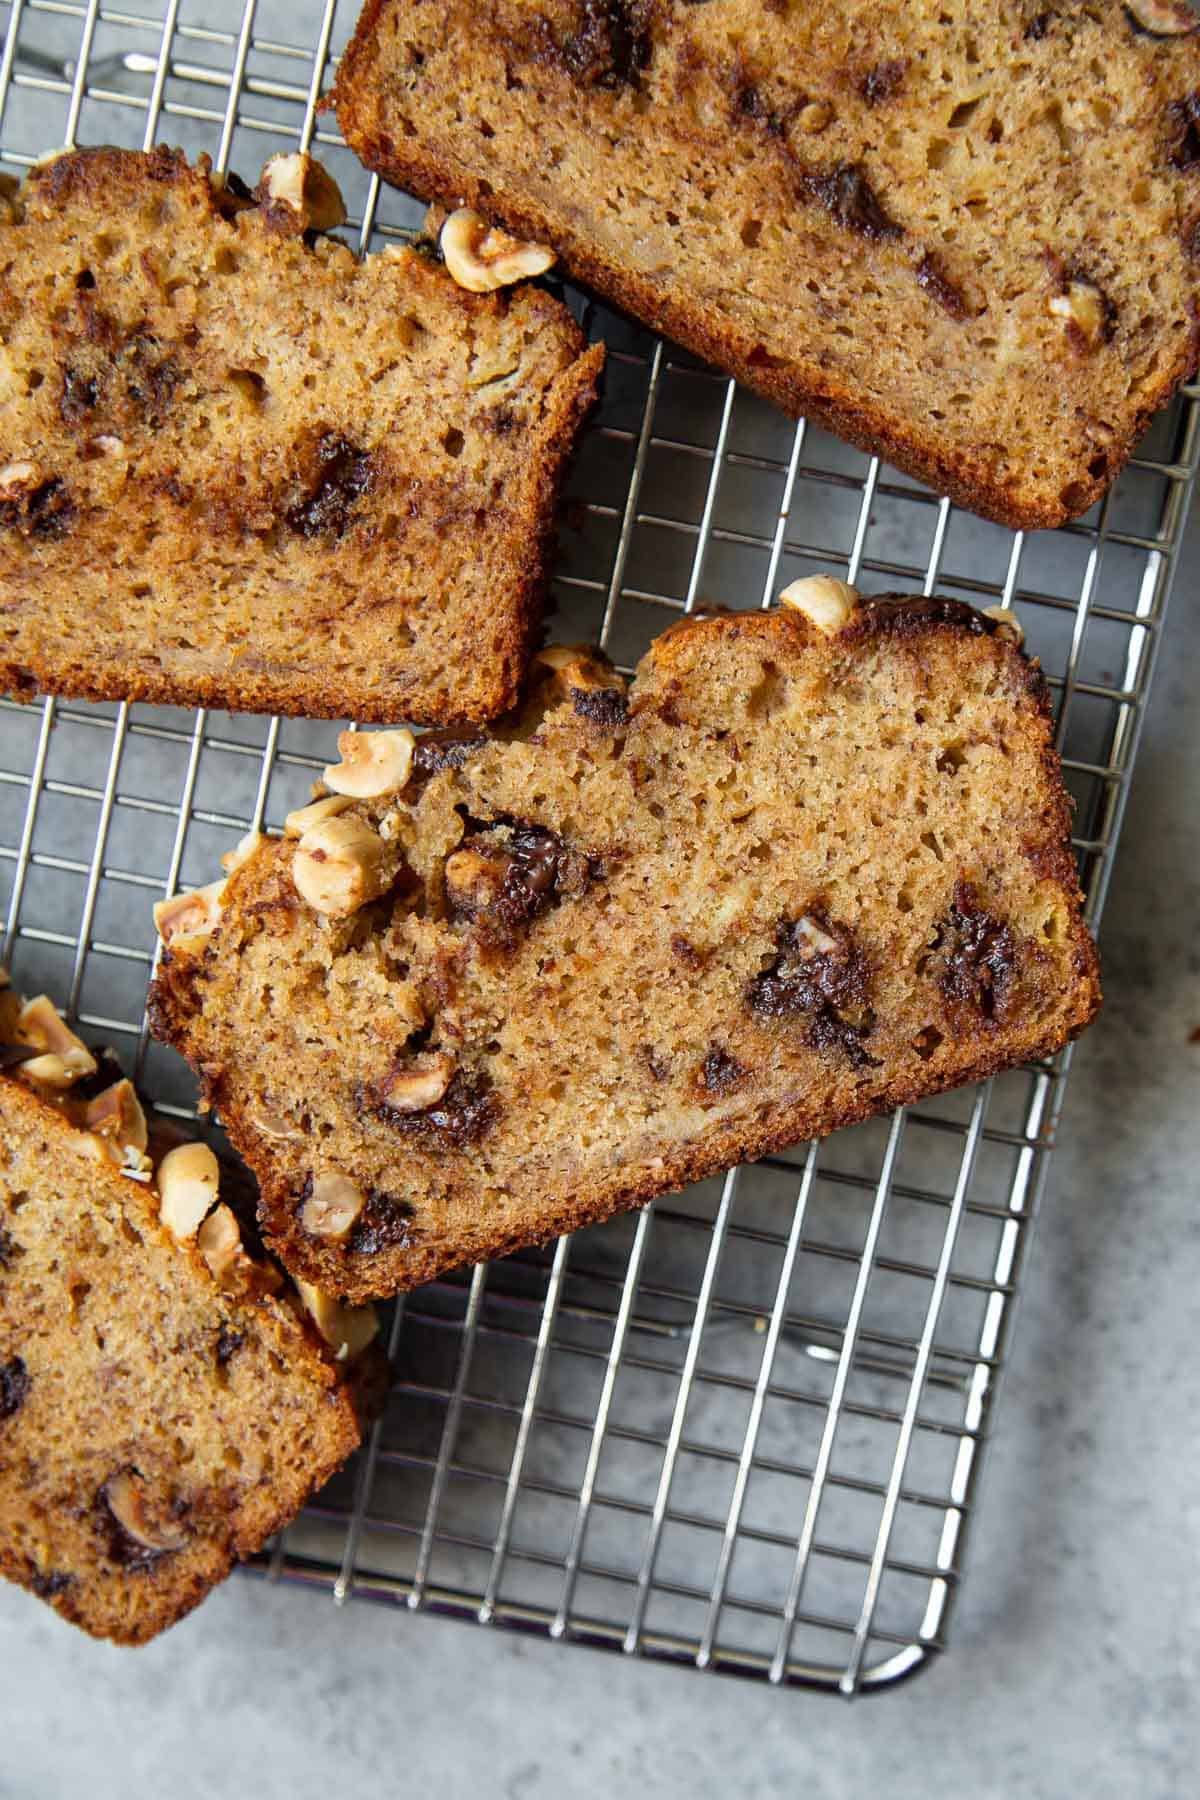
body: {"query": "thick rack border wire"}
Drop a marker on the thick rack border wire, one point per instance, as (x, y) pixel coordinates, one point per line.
(743, 1428)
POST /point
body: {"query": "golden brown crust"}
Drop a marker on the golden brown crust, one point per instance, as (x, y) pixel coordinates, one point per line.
(240, 1444)
(460, 168)
(621, 993)
(232, 574)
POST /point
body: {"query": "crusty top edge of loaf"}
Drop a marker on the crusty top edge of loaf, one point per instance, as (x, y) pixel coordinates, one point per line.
(799, 384)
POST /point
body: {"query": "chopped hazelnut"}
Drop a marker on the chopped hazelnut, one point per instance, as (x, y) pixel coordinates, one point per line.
(219, 1241)
(826, 602)
(66, 1058)
(481, 258)
(815, 941)
(339, 866)
(1163, 18)
(117, 1119)
(186, 921)
(420, 1084)
(1081, 309)
(814, 117)
(188, 1180)
(346, 1329)
(242, 851)
(1006, 622)
(472, 881)
(19, 478)
(125, 1497)
(305, 817)
(300, 183)
(332, 1207)
(373, 763)
(274, 1125)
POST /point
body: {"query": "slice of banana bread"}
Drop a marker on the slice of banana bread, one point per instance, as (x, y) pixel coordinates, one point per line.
(166, 1404)
(240, 467)
(810, 865)
(962, 236)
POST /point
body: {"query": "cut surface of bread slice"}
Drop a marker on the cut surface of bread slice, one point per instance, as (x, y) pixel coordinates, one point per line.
(164, 1405)
(243, 468)
(797, 873)
(963, 237)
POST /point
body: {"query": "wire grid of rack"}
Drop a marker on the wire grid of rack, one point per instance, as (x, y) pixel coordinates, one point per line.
(743, 1428)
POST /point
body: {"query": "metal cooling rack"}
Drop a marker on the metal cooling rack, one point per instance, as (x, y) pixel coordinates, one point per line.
(742, 1429)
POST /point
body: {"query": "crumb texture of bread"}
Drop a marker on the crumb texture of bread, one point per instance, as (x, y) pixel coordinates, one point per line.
(244, 468)
(964, 237)
(785, 880)
(154, 1428)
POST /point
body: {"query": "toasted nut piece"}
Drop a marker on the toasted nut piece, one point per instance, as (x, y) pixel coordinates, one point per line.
(1163, 18)
(19, 478)
(828, 603)
(481, 258)
(274, 1125)
(300, 183)
(815, 116)
(575, 668)
(1006, 621)
(188, 1180)
(816, 941)
(67, 1057)
(420, 1084)
(472, 881)
(242, 851)
(116, 1116)
(305, 817)
(186, 921)
(373, 763)
(339, 865)
(219, 1241)
(125, 1497)
(1081, 307)
(346, 1329)
(332, 1207)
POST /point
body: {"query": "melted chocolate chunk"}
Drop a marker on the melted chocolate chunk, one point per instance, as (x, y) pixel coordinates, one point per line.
(720, 1073)
(46, 512)
(908, 617)
(748, 102)
(229, 1342)
(612, 46)
(532, 868)
(1183, 123)
(978, 955)
(150, 377)
(80, 395)
(1038, 26)
(822, 977)
(9, 1249)
(880, 83)
(464, 1113)
(46, 1583)
(446, 748)
(15, 1383)
(603, 706)
(108, 1071)
(344, 475)
(13, 1055)
(848, 197)
(385, 1223)
(933, 280)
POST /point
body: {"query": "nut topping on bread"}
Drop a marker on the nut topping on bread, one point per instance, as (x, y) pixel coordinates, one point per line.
(307, 192)
(373, 763)
(189, 917)
(189, 1177)
(66, 1058)
(801, 875)
(827, 602)
(305, 817)
(165, 1407)
(482, 258)
(339, 865)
